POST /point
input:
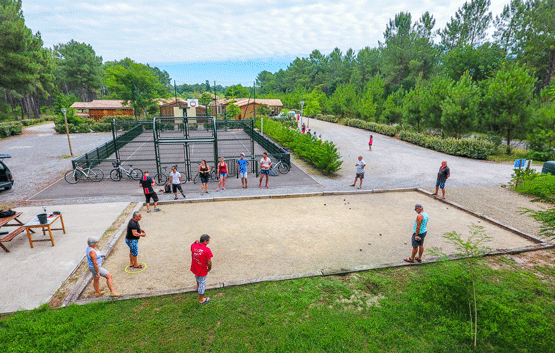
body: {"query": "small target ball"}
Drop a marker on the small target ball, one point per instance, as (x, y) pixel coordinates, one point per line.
(360, 249)
(405, 243)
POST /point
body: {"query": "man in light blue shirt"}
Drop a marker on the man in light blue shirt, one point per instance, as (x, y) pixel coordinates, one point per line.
(420, 231)
(360, 171)
(242, 165)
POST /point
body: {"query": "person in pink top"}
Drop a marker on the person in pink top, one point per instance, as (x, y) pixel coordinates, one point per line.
(370, 143)
(201, 264)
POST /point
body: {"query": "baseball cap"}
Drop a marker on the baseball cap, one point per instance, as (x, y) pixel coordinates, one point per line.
(242, 154)
(418, 205)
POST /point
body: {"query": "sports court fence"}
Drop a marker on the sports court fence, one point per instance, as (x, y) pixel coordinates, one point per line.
(156, 145)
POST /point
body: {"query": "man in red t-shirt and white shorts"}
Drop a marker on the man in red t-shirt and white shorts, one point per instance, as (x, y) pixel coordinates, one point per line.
(201, 264)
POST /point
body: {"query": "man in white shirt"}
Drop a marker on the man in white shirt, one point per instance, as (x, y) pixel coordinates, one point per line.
(360, 171)
(265, 164)
(175, 181)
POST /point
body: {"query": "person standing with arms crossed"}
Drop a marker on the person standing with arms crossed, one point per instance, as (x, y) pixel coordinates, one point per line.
(442, 176)
(360, 171)
(201, 264)
(175, 180)
(420, 231)
(222, 171)
(265, 164)
(242, 165)
(134, 233)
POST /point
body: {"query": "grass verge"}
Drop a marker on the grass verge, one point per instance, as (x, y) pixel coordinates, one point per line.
(423, 308)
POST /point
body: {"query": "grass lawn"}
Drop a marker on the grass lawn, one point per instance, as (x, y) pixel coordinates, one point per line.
(415, 309)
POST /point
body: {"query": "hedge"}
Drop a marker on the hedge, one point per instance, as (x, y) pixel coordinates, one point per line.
(323, 155)
(383, 129)
(10, 129)
(84, 125)
(466, 147)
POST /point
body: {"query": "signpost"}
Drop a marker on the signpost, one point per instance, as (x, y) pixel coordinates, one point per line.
(64, 110)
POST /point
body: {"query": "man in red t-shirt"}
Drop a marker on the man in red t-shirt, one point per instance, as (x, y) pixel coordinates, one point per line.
(201, 264)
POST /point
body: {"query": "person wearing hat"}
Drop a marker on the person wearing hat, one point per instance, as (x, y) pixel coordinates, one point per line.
(420, 231)
(95, 259)
(242, 165)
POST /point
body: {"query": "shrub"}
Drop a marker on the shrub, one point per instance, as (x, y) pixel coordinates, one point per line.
(109, 118)
(529, 182)
(466, 147)
(10, 129)
(322, 155)
(329, 118)
(383, 129)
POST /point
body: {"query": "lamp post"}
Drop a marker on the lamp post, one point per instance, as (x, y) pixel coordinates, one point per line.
(302, 105)
(64, 110)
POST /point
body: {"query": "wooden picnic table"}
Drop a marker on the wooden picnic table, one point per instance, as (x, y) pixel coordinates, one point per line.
(34, 223)
(5, 222)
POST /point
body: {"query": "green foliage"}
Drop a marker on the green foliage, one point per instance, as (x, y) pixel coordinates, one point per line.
(529, 182)
(542, 137)
(466, 147)
(469, 26)
(10, 129)
(344, 101)
(237, 91)
(547, 220)
(383, 129)
(507, 95)
(321, 154)
(330, 118)
(460, 106)
(232, 110)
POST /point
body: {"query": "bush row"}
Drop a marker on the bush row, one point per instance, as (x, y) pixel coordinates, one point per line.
(10, 129)
(466, 147)
(29, 122)
(84, 125)
(383, 129)
(328, 118)
(323, 155)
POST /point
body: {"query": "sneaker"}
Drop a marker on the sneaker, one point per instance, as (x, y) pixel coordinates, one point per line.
(184, 196)
(267, 187)
(218, 189)
(223, 189)
(148, 211)
(259, 185)
(175, 198)
(157, 209)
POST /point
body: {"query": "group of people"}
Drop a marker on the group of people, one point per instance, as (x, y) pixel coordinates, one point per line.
(201, 259)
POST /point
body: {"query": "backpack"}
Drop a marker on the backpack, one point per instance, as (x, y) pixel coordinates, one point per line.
(167, 189)
(6, 213)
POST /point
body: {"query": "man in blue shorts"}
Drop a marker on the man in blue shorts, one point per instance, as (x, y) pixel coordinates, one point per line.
(242, 165)
(442, 176)
(420, 231)
(265, 164)
(134, 233)
(147, 184)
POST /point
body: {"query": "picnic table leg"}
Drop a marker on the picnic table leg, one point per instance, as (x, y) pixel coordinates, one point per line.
(51, 237)
(3, 247)
(29, 236)
(63, 226)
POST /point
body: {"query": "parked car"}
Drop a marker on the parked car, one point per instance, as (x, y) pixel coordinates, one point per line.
(6, 177)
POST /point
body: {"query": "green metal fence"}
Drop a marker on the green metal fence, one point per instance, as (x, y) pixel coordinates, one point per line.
(270, 146)
(99, 154)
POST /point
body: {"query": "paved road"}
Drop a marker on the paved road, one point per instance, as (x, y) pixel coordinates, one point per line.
(39, 156)
(393, 163)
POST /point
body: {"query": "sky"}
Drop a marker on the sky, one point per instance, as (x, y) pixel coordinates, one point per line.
(229, 41)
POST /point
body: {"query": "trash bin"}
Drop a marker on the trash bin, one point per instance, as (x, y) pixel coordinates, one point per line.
(43, 218)
(549, 168)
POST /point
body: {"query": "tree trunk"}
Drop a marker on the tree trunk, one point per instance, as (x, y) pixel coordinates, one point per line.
(508, 140)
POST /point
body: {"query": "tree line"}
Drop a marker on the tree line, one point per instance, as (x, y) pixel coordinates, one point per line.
(453, 80)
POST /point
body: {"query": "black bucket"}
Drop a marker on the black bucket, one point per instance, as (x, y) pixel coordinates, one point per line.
(43, 218)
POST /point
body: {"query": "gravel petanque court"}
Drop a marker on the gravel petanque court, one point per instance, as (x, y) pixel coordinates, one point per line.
(253, 238)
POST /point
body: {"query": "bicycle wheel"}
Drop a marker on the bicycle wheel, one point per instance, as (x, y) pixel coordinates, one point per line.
(96, 174)
(115, 175)
(274, 172)
(136, 174)
(284, 168)
(72, 176)
(214, 176)
(197, 178)
(161, 179)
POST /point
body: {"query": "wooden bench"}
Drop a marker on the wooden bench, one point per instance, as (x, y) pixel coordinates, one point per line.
(10, 236)
(5, 222)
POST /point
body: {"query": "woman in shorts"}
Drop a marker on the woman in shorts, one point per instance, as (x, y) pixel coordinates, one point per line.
(204, 172)
(370, 143)
(95, 266)
(222, 171)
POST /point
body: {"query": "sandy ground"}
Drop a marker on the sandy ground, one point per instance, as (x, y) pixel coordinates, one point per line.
(258, 238)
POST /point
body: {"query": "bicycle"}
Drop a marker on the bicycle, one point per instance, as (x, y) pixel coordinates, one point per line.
(132, 173)
(277, 168)
(162, 178)
(214, 176)
(75, 175)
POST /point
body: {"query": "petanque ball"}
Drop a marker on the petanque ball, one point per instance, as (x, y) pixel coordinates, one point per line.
(380, 234)
(405, 243)
(360, 249)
